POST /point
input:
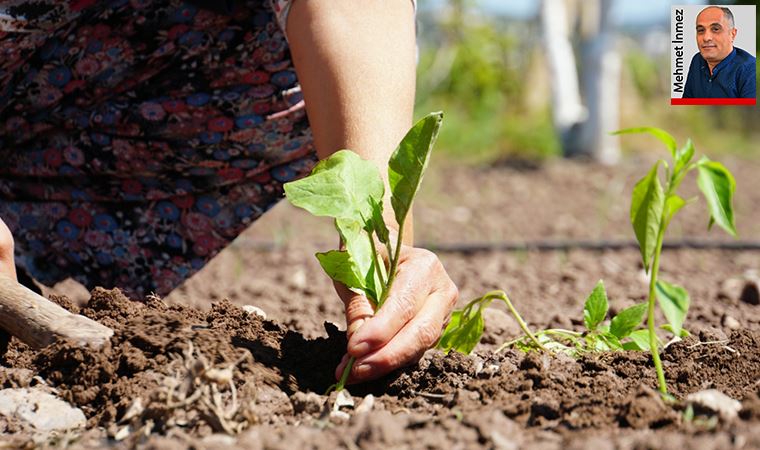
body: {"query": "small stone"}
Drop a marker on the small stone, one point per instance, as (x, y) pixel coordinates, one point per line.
(41, 410)
(250, 309)
(717, 402)
(366, 405)
(731, 289)
(731, 323)
(343, 399)
(299, 278)
(339, 417)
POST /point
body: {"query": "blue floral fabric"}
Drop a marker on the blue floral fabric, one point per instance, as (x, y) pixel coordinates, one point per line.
(138, 138)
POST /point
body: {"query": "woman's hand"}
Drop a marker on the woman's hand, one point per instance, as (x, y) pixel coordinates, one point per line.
(409, 322)
(7, 263)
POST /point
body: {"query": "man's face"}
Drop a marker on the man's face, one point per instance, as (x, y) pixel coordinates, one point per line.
(715, 37)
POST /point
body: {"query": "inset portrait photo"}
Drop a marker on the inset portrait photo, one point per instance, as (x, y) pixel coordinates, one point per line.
(713, 51)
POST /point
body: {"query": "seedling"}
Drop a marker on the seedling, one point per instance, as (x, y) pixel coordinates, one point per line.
(652, 209)
(621, 333)
(350, 190)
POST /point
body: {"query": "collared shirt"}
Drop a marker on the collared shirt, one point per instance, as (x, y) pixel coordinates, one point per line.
(734, 77)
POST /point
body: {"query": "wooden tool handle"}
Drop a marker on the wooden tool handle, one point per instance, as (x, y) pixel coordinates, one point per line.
(38, 322)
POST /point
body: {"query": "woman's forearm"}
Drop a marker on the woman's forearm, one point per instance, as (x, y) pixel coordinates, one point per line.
(356, 64)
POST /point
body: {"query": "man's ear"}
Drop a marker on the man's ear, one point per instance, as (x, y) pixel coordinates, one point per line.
(733, 33)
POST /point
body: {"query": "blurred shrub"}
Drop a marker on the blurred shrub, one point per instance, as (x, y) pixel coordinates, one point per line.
(473, 68)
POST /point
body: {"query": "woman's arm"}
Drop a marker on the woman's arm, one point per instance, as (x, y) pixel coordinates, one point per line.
(356, 64)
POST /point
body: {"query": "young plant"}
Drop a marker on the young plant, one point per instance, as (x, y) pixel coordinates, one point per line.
(621, 333)
(350, 190)
(652, 209)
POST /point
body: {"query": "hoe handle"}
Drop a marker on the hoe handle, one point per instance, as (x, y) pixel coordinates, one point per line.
(38, 322)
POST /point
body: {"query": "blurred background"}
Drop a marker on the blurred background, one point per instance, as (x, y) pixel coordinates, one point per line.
(523, 81)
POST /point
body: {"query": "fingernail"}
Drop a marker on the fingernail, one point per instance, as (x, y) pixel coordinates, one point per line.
(359, 349)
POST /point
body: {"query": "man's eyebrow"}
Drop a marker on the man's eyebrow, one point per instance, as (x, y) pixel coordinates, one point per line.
(711, 25)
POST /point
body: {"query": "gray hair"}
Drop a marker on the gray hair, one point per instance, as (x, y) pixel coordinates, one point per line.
(727, 14)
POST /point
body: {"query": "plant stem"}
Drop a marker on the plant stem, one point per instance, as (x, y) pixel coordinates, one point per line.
(344, 376)
(379, 267)
(393, 266)
(387, 288)
(650, 309)
(503, 296)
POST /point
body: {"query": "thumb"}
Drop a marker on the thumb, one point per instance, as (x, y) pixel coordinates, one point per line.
(358, 308)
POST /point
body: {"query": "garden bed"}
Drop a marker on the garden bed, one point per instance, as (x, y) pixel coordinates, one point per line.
(176, 355)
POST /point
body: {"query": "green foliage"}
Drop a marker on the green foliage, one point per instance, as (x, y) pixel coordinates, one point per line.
(674, 304)
(624, 323)
(595, 308)
(463, 332)
(647, 204)
(653, 208)
(478, 69)
(718, 186)
(408, 164)
(350, 190)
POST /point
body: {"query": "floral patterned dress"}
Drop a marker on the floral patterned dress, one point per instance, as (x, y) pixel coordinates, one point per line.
(139, 137)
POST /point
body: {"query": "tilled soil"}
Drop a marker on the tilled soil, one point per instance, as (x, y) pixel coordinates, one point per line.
(452, 401)
(169, 370)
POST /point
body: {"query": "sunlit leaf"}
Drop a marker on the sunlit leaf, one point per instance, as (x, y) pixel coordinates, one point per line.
(407, 164)
(674, 303)
(340, 267)
(647, 204)
(340, 187)
(627, 320)
(683, 156)
(639, 341)
(595, 308)
(462, 335)
(662, 135)
(718, 187)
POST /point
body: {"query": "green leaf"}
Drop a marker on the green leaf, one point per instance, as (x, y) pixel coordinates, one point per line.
(683, 156)
(674, 303)
(672, 205)
(647, 204)
(639, 339)
(595, 308)
(627, 320)
(407, 164)
(340, 267)
(718, 186)
(378, 223)
(462, 334)
(356, 241)
(340, 186)
(612, 341)
(597, 344)
(660, 134)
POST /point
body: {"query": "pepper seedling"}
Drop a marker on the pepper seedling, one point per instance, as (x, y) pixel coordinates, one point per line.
(350, 190)
(652, 209)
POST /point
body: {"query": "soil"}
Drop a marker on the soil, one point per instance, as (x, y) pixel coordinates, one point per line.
(196, 370)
